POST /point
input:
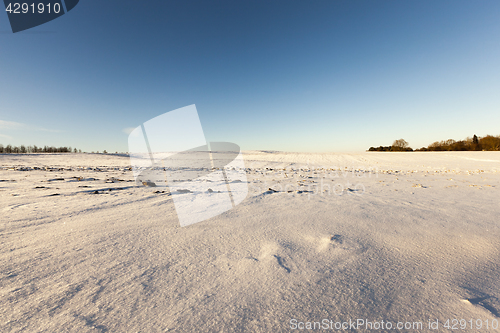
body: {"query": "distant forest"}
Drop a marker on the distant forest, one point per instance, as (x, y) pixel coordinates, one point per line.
(489, 142)
(34, 149)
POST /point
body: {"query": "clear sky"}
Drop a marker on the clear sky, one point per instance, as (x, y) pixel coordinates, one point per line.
(267, 75)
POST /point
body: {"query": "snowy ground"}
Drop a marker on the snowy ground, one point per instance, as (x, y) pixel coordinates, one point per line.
(398, 237)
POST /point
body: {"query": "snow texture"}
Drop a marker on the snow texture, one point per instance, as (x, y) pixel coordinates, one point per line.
(379, 236)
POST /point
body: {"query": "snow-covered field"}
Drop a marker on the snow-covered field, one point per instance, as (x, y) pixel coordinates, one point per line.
(392, 237)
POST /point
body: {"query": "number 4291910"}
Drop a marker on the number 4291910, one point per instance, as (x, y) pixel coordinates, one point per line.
(40, 8)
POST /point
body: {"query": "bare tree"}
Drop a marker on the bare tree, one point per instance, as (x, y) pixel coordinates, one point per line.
(400, 145)
(490, 142)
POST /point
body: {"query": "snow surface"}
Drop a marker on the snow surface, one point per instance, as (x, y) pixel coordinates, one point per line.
(375, 236)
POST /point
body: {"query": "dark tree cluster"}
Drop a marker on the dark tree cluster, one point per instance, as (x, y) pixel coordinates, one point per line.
(9, 149)
(397, 145)
(380, 148)
(488, 142)
(475, 143)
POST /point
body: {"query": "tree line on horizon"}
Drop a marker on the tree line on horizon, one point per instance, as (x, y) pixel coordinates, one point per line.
(488, 143)
(22, 149)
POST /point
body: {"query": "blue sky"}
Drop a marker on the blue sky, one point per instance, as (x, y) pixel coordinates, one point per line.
(273, 75)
